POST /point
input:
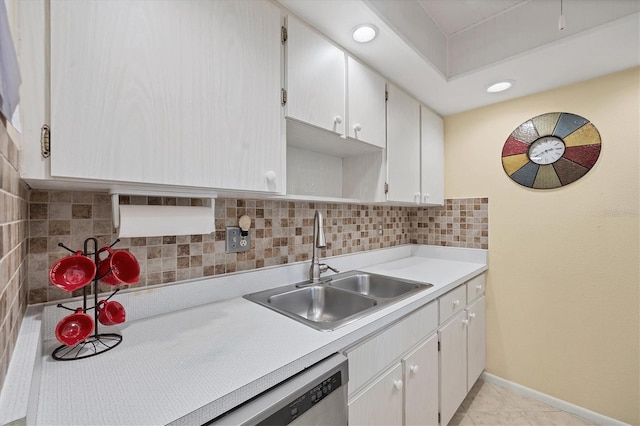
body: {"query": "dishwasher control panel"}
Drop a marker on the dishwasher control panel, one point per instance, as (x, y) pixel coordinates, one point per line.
(304, 401)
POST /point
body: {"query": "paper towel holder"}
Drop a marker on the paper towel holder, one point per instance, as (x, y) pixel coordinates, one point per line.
(115, 200)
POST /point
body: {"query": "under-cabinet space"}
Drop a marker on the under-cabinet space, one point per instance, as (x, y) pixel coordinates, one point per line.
(312, 175)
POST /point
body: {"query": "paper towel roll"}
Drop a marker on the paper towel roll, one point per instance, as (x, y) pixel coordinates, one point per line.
(155, 221)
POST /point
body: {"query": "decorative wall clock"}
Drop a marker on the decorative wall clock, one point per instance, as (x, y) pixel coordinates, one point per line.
(551, 150)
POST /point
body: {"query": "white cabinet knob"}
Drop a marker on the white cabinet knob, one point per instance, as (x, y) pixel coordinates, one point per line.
(357, 127)
(456, 302)
(337, 119)
(416, 197)
(397, 384)
(472, 316)
(425, 197)
(465, 321)
(270, 175)
(478, 286)
(414, 369)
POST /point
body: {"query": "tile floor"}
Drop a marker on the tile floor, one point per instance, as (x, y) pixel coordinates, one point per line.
(490, 404)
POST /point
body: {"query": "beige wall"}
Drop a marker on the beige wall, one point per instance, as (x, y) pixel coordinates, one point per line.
(563, 285)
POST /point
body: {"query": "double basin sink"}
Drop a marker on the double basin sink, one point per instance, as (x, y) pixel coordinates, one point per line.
(340, 300)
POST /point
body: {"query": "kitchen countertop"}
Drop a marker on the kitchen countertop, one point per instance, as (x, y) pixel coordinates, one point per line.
(193, 364)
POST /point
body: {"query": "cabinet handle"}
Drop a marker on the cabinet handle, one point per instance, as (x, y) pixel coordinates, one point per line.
(337, 119)
(456, 302)
(414, 369)
(398, 384)
(270, 175)
(465, 321)
(357, 127)
(478, 286)
(416, 198)
(426, 197)
(472, 316)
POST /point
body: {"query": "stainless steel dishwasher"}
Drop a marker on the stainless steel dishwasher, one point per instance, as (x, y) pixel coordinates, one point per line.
(315, 396)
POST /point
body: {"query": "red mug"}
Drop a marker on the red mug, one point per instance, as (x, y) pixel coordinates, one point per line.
(110, 313)
(72, 272)
(74, 328)
(119, 268)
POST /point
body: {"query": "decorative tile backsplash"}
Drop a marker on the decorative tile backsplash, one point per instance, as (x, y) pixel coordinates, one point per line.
(281, 232)
(462, 222)
(13, 248)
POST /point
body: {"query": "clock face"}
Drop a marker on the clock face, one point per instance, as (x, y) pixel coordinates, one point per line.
(546, 150)
(551, 150)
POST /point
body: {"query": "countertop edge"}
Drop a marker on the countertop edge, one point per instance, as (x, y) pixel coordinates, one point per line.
(19, 393)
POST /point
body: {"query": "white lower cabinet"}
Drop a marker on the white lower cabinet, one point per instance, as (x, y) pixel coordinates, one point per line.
(393, 376)
(416, 372)
(462, 346)
(421, 384)
(381, 404)
(453, 366)
(476, 341)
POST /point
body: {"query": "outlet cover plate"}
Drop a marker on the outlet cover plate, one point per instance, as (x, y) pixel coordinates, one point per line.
(235, 242)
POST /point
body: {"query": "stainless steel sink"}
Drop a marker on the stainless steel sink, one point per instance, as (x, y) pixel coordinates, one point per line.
(342, 299)
(379, 286)
(321, 304)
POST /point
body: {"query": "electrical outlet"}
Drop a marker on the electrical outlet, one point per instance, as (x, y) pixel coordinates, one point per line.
(380, 229)
(235, 241)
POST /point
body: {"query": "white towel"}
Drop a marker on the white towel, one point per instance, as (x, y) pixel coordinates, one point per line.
(9, 72)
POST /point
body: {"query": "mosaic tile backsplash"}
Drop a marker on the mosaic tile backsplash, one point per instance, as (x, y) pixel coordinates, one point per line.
(459, 223)
(281, 232)
(13, 248)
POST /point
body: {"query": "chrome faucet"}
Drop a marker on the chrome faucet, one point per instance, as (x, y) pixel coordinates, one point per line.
(319, 241)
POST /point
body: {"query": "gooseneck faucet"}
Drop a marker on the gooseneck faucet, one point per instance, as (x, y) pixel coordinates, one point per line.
(319, 241)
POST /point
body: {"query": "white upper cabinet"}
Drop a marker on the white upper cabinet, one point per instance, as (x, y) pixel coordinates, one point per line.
(403, 147)
(177, 92)
(366, 104)
(432, 157)
(315, 78)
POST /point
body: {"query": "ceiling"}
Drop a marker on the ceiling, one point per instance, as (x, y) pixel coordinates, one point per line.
(447, 52)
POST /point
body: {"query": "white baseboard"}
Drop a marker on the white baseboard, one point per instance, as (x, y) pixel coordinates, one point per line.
(589, 415)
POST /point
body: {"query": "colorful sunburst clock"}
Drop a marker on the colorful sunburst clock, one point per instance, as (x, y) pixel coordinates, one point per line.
(551, 150)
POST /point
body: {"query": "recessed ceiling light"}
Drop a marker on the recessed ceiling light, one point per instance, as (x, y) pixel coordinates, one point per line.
(500, 86)
(364, 33)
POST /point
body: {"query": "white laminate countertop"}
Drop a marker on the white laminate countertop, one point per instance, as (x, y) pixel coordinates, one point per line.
(192, 365)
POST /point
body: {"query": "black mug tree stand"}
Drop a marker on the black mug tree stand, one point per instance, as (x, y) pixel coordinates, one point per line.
(97, 343)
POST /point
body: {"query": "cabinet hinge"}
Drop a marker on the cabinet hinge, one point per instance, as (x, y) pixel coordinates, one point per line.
(386, 188)
(283, 34)
(438, 346)
(386, 95)
(439, 418)
(283, 97)
(45, 141)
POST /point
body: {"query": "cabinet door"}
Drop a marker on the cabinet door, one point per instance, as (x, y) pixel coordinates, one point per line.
(315, 78)
(453, 366)
(366, 104)
(421, 384)
(476, 341)
(381, 403)
(432, 157)
(403, 146)
(174, 92)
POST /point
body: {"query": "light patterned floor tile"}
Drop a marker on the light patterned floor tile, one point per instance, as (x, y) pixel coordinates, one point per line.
(499, 418)
(520, 402)
(461, 419)
(490, 404)
(484, 397)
